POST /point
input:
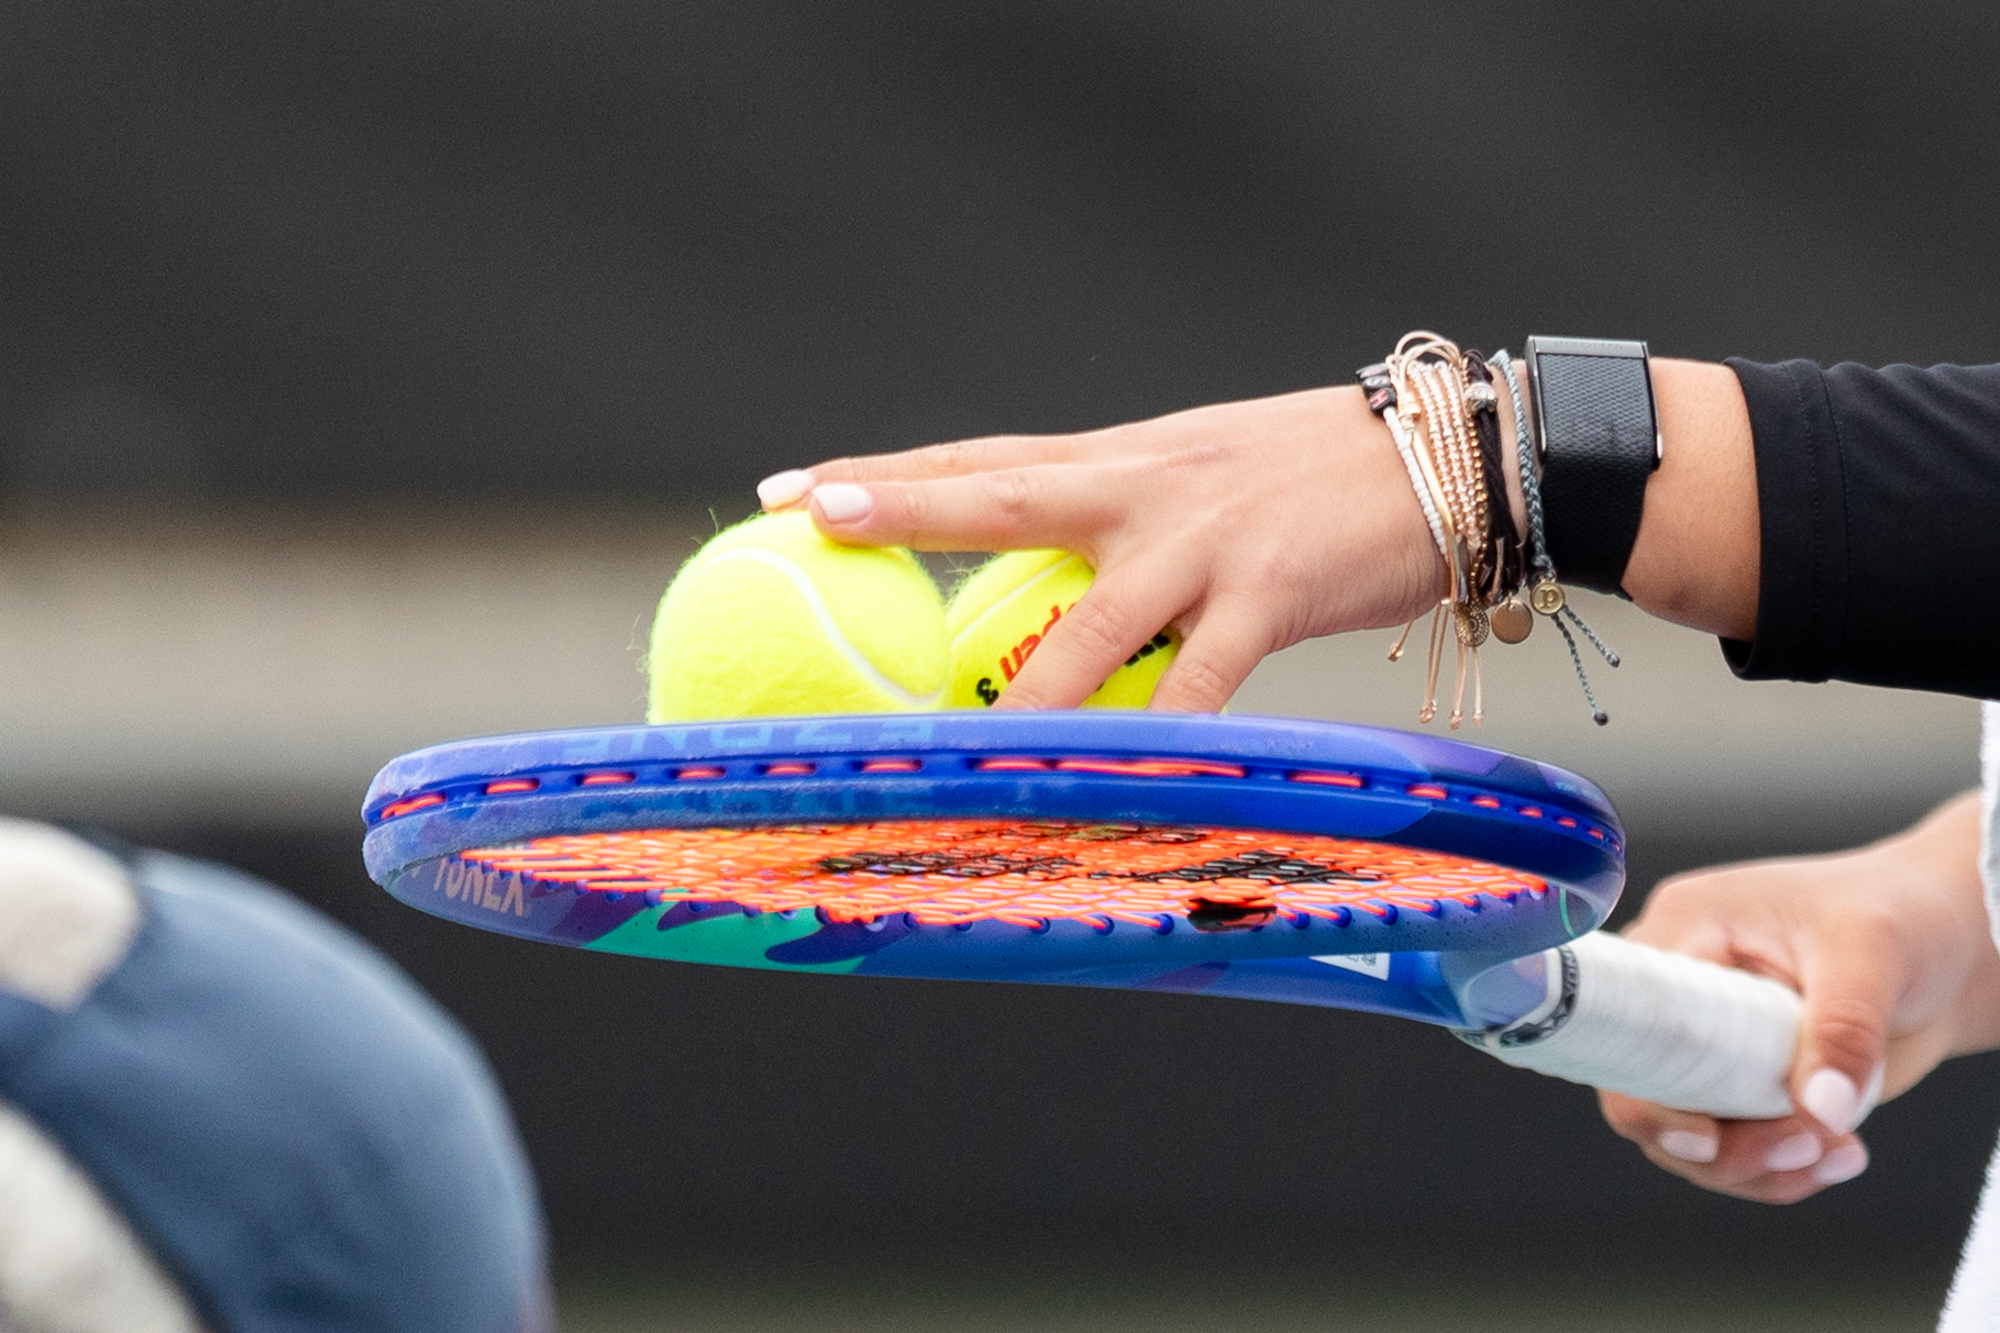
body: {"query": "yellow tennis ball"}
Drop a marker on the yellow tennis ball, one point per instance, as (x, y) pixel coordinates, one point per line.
(771, 618)
(1000, 614)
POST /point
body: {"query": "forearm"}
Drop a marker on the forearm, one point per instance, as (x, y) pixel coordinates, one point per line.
(1696, 560)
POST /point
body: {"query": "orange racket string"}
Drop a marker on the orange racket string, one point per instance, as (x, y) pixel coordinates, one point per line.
(954, 872)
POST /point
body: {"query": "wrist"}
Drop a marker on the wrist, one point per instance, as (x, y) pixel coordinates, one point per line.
(1941, 903)
(1420, 568)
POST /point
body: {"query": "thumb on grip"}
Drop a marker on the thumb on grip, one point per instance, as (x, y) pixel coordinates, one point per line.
(1667, 1028)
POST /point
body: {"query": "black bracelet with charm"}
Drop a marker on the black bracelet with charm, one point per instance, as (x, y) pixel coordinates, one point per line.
(1508, 614)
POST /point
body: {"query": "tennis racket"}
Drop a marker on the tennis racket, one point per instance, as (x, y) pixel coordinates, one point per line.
(1255, 858)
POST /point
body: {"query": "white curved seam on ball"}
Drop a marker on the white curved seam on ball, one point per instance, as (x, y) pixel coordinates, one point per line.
(1008, 597)
(867, 669)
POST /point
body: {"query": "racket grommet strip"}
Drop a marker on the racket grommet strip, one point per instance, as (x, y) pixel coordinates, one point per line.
(1352, 781)
(412, 804)
(795, 770)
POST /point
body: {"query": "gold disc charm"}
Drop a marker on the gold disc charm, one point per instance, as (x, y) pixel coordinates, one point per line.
(1512, 620)
(1546, 597)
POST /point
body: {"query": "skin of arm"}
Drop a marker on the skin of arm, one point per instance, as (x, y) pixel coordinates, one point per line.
(1696, 561)
(1250, 526)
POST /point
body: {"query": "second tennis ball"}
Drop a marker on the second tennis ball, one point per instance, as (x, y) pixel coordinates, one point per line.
(771, 618)
(1001, 612)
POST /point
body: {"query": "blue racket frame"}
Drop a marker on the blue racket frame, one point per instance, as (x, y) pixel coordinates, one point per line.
(1278, 774)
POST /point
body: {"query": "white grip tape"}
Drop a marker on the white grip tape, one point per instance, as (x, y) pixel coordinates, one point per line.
(1671, 1029)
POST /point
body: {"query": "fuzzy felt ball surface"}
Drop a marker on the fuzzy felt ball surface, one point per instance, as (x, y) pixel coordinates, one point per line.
(771, 618)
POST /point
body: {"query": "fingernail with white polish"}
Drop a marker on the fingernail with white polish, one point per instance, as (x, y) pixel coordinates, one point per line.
(1688, 1145)
(842, 502)
(1794, 1154)
(1831, 1098)
(1843, 1163)
(782, 490)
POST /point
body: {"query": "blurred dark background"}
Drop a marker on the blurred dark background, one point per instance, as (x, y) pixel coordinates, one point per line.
(329, 258)
(613, 248)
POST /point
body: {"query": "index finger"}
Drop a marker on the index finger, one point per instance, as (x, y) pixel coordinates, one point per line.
(1010, 509)
(932, 462)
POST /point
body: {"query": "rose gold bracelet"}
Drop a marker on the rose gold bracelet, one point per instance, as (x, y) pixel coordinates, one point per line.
(1443, 387)
(1429, 429)
(1425, 374)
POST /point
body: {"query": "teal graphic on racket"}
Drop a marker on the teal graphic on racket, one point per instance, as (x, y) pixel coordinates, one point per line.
(1251, 858)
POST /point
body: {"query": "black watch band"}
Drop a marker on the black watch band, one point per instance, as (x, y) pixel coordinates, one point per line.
(1600, 442)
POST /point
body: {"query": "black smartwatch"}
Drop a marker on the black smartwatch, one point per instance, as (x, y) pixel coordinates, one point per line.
(1599, 445)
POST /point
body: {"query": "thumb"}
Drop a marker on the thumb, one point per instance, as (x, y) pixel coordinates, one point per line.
(1850, 984)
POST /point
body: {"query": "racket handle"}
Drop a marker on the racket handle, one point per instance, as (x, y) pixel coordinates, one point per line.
(1662, 1027)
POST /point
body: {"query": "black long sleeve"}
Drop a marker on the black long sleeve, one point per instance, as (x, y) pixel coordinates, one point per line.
(1879, 492)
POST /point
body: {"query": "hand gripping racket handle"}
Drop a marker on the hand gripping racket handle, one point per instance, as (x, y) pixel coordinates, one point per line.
(1662, 1027)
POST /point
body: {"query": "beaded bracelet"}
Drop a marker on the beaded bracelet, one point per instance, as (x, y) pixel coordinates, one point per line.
(1419, 390)
(1441, 386)
(1439, 392)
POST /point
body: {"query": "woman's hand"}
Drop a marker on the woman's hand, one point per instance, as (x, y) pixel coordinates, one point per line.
(1889, 945)
(1250, 526)
(1246, 526)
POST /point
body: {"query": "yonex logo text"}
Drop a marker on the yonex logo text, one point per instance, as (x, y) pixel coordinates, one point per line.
(477, 886)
